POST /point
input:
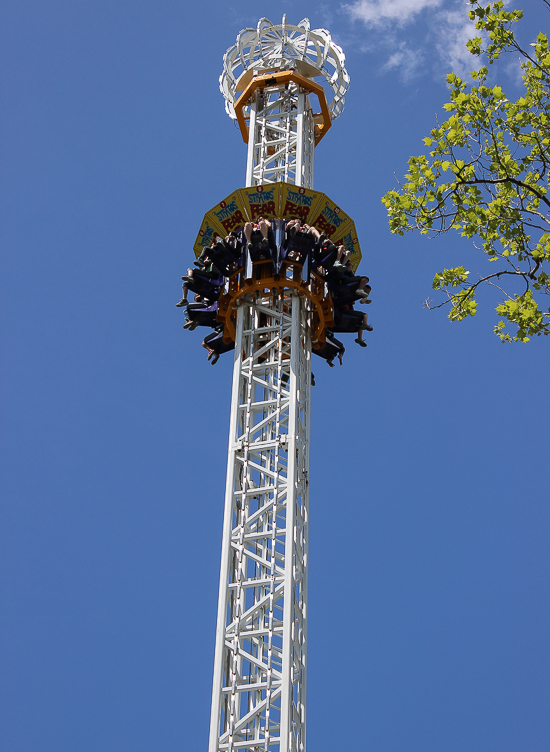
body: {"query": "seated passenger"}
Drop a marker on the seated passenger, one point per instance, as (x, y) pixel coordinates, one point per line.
(332, 348)
(341, 267)
(325, 254)
(226, 254)
(299, 241)
(207, 282)
(348, 320)
(215, 345)
(346, 287)
(342, 257)
(200, 313)
(363, 288)
(260, 240)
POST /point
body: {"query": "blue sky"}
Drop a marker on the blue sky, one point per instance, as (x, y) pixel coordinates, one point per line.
(429, 496)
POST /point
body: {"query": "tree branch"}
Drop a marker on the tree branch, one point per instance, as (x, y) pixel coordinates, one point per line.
(500, 181)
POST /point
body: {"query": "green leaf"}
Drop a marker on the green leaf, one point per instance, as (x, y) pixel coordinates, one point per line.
(496, 151)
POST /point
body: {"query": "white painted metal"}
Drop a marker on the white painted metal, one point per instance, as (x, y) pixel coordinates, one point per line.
(259, 684)
(281, 140)
(283, 46)
(258, 700)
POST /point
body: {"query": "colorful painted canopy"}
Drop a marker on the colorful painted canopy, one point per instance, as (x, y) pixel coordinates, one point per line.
(283, 201)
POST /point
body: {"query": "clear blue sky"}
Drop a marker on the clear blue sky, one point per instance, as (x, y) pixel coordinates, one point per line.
(429, 577)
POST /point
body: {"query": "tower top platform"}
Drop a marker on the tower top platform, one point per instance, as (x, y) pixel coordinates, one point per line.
(277, 47)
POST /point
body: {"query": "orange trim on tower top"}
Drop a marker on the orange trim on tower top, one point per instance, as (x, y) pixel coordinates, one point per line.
(277, 79)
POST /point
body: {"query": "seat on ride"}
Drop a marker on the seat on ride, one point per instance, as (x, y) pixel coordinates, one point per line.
(215, 342)
(344, 291)
(260, 251)
(298, 247)
(347, 321)
(224, 257)
(203, 313)
(331, 348)
(324, 256)
(201, 284)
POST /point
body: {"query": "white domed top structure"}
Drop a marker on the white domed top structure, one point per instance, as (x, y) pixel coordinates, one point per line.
(277, 47)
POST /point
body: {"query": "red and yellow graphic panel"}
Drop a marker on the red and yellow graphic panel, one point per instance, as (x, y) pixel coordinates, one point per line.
(209, 231)
(330, 219)
(279, 201)
(299, 203)
(350, 241)
(262, 201)
(231, 213)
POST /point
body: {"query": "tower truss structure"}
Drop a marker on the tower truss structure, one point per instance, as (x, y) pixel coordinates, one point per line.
(259, 684)
(280, 142)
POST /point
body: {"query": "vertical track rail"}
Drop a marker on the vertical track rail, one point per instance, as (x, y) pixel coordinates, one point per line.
(260, 663)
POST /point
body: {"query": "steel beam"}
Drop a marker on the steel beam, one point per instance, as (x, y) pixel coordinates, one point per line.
(258, 700)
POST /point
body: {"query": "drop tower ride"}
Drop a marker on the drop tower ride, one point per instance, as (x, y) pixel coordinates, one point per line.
(275, 81)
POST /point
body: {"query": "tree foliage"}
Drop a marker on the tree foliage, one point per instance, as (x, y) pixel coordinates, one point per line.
(487, 177)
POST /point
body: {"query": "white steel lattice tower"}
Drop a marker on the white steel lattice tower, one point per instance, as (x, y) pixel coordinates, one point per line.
(259, 685)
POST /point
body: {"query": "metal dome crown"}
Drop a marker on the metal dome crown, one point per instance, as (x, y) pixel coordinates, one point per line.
(311, 52)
